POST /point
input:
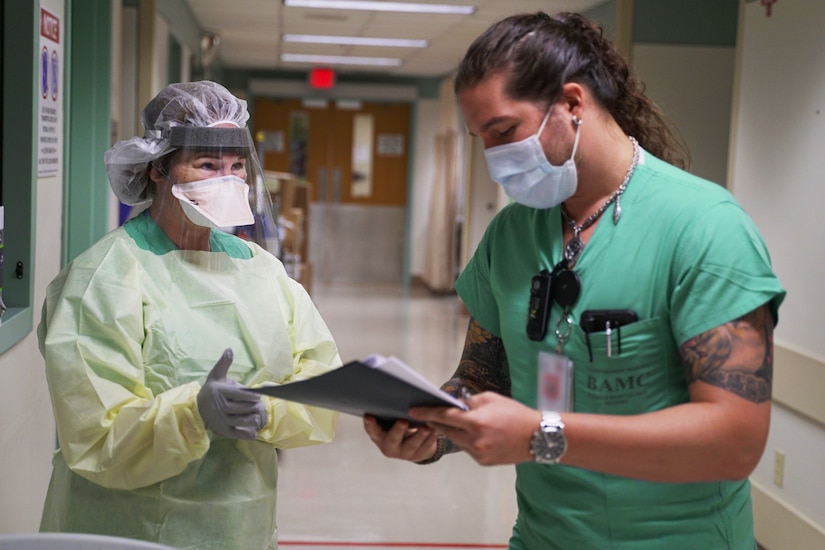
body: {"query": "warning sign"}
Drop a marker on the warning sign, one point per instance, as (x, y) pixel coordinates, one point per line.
(50, 102)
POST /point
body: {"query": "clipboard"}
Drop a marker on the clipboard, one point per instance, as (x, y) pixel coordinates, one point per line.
(384, 387)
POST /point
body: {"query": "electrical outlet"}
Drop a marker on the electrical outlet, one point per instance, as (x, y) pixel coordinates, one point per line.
(779, 468)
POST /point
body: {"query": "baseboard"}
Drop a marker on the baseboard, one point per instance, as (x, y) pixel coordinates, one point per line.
(781, 527)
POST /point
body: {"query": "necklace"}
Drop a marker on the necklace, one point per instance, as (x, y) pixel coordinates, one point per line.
(574, 247)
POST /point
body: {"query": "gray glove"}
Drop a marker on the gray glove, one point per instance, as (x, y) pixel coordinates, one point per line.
(226, 408)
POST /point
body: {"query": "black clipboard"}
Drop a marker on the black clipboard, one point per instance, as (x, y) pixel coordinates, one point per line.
(383, 387)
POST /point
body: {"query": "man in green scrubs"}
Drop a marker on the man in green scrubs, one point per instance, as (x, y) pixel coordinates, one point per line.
(620, 344)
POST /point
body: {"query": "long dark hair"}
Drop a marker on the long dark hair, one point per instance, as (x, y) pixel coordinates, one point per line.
(540, 53)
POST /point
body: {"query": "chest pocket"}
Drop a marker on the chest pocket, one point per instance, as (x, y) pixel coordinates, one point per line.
(640, 378)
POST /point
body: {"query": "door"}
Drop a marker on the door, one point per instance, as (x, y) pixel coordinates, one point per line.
(353, 156)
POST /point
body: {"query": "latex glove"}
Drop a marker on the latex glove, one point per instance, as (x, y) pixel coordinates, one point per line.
(226, 408)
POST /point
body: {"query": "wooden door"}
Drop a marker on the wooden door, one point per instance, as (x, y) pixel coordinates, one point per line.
(320, 141)
(354, 157)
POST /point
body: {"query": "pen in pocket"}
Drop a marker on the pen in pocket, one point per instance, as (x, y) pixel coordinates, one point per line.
(607, 321)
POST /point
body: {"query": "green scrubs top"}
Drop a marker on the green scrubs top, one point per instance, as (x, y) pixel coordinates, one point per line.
(686, 258)
(130, 330)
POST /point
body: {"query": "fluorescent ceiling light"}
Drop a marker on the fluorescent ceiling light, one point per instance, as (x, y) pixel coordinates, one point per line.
(407, 7)
(355, 41)
(340, 60)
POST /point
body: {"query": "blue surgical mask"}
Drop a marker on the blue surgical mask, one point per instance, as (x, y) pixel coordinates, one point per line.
(527, 176)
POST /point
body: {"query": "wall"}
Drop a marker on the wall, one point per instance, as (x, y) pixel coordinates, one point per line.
(776, 173)
(693, 84)
(160, 61)
(484, 198)
(125, 29)
(122, 68)
(425, 127)
(27, 431)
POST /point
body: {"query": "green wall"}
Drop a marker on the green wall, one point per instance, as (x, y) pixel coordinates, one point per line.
(86, 188)
(693, 22)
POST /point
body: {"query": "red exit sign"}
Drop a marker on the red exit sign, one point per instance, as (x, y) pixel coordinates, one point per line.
(321, 78)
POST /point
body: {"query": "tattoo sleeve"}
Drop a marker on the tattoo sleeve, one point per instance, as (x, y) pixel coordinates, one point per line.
(483, 365)
(736, 356)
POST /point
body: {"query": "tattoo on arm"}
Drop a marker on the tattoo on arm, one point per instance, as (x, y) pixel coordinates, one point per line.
(736, 356)
(483, 365)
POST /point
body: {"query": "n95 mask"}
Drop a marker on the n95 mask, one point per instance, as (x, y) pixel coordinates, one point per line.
(526, 175)
(215, 202)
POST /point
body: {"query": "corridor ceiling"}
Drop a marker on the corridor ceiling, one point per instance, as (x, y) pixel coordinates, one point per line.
(251, 32)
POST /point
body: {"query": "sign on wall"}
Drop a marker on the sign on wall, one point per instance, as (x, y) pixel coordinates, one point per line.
(390, 145)
(50, 100)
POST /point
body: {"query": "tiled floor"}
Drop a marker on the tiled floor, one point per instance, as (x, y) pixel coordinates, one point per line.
(346, 494)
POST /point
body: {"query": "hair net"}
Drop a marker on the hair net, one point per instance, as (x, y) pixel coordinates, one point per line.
(194, 104)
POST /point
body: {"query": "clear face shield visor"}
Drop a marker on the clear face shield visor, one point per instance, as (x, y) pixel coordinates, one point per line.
(217, 178)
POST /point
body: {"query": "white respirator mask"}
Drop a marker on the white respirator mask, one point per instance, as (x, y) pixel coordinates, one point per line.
(215, 202)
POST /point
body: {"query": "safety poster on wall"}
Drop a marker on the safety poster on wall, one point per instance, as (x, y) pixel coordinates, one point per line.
(50, 101)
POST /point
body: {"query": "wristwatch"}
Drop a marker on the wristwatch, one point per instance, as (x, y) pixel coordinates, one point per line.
(548, 443)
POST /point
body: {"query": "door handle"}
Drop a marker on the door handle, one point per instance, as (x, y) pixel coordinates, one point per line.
(336, 185)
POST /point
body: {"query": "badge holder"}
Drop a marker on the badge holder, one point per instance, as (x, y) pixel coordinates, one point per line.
(555, 370)
(555, 383)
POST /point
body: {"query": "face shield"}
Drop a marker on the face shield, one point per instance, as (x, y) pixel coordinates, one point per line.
(215, 176)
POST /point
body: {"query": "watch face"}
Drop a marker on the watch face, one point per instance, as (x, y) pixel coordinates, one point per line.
(548, 444)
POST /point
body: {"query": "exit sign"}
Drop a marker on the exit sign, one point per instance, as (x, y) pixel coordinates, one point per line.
(321, 78)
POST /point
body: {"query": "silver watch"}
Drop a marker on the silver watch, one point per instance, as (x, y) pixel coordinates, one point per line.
(548, 443)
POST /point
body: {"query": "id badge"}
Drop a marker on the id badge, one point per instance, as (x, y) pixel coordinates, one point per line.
(555, 383)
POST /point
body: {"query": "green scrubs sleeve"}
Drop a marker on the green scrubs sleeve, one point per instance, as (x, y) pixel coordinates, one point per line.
(722, 272)
(470, 286)
(474, 287)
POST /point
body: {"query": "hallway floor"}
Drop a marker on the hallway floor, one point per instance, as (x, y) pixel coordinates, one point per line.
(346, 494)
